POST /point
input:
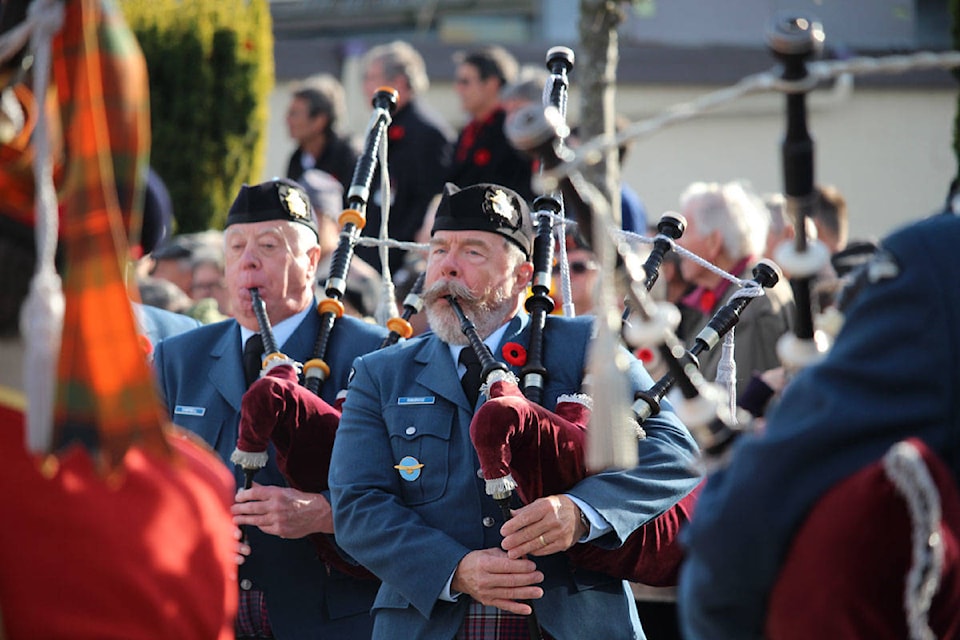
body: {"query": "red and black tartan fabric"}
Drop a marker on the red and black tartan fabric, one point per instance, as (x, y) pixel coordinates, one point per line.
(489, 623)
(544, 452)
(106, 398)
(253, 621)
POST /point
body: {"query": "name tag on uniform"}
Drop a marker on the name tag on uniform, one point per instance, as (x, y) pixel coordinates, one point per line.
(183, 410)
(408, 400)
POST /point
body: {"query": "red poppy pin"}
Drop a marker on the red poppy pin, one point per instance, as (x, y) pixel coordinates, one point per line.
(708, 300)
(481, 157)
(395, 133)
(514, 354)
(645, 355)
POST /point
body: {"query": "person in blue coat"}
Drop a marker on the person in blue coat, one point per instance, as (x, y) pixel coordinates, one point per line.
(271, 244)
(892, 374)
(156, 324)
(408, 502)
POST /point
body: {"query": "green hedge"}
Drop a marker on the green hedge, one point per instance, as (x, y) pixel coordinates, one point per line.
(211, 73)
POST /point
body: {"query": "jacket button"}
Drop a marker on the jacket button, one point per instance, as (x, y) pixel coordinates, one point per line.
(411, 431)
(480, 473)
(488, 522)
(246, 584)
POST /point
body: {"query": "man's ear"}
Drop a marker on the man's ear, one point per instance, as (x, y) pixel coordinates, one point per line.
(314, 254)
(523, 275)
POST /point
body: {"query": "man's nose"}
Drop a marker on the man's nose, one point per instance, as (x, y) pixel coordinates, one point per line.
(449, 267)
(250, 258)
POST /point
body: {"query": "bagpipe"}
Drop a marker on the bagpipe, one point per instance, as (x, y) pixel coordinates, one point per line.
(650, 326)
(277, 408)
(524, 446)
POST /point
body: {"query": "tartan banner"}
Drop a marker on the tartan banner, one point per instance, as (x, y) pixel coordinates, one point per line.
(106, 397)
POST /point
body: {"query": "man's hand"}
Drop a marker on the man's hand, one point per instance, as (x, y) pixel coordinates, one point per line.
(546, 525)
(493, 579)
(243, 549)
(282, 511)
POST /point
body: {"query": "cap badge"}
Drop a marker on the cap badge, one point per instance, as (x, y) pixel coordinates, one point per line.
(294, 203)
(500, 209)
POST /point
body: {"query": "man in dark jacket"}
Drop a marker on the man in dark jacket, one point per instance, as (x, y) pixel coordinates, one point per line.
(483, 153)
(420, 147)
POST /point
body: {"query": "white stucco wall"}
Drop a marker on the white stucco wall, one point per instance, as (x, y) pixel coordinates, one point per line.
(889, 151)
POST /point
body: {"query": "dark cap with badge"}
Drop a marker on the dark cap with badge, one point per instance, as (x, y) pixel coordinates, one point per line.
(485, 207)
(277, 199)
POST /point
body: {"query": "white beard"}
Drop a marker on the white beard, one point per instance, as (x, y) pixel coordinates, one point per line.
(487, 312)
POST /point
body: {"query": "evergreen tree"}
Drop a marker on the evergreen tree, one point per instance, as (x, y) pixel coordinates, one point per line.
(211, 73)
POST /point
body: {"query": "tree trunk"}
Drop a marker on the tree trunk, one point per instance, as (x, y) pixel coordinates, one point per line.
(597, 73)
(609, 443)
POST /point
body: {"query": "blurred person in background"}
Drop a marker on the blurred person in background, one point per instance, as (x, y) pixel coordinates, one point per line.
(727, 226)
(420, 147)
(313, 119)
(482, 152)
(829, 214)
(208, 288)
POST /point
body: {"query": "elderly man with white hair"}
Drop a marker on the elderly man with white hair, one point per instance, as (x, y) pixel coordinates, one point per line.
(727, 226)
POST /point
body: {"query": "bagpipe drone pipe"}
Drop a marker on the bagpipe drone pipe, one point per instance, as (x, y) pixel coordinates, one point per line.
(352, 221)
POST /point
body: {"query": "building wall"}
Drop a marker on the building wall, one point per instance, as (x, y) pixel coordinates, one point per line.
(888, 150)
(883, 24)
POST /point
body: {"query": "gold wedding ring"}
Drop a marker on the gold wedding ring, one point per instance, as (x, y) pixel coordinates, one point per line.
(543, 542)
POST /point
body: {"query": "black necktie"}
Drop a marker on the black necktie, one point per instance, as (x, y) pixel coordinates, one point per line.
(471, 379)
(252, 358)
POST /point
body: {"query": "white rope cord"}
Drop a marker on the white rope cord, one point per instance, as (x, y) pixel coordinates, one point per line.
(41, 317)
(387, 302)
(366, 241)
(727, 366)
(592, 151)
(911, 477)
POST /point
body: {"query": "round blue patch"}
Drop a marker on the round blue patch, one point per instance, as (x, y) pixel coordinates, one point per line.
(409, 468)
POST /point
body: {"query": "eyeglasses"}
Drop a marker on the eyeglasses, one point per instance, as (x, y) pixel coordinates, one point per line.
(579, 267)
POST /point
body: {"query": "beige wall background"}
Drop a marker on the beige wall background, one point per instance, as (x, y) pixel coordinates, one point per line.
(888, 150)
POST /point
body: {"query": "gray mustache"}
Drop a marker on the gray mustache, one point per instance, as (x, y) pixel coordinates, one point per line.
(445, 288)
